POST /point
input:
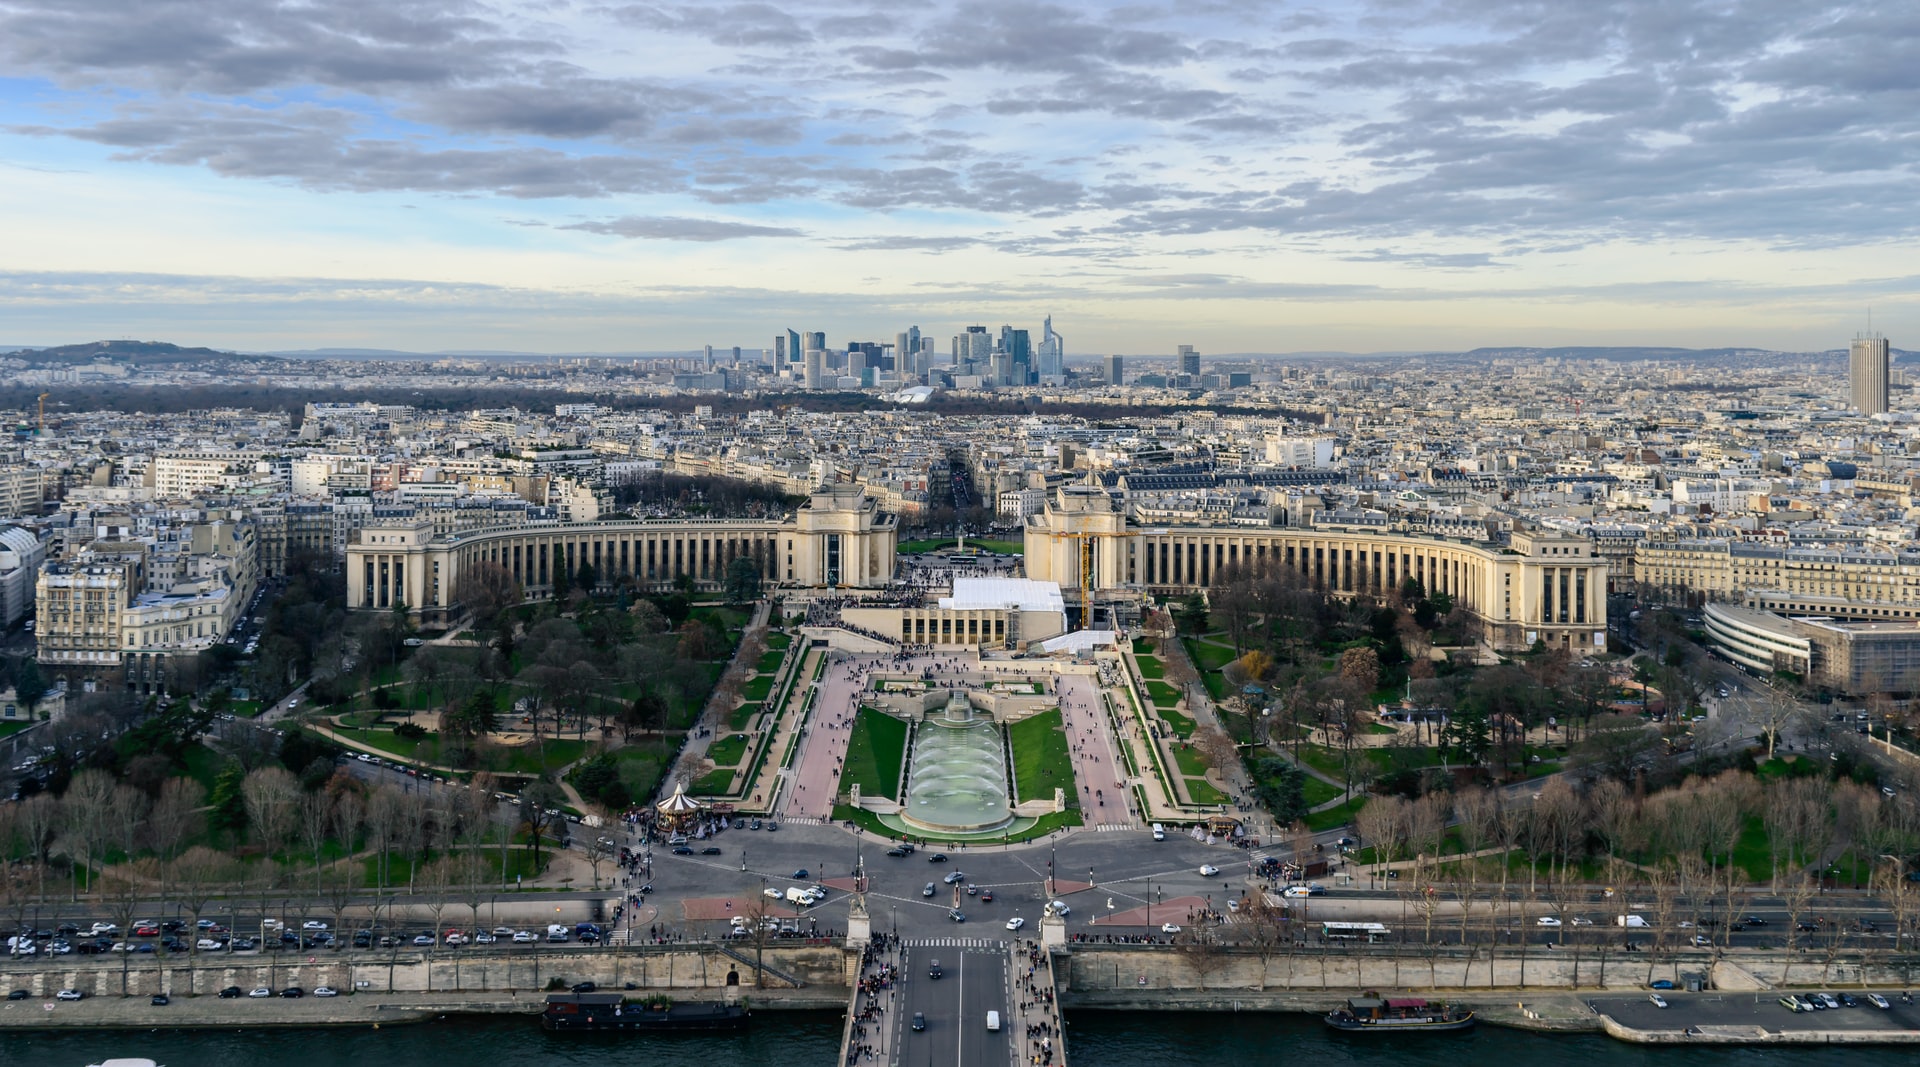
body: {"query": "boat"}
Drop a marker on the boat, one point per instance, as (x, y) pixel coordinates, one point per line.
(611, 1012)
(126, 1061)
(1399, 1014)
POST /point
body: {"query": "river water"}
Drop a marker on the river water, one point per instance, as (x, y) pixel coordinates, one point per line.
(794, 1039)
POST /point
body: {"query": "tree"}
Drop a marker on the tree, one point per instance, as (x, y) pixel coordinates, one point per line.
(228, 808)
(742, 580)
(1614, 745)
(1361, 666)
(29, 686)
(647, 617)
(1200, 948)
(538, 800)
(88, 808)
(272, 797)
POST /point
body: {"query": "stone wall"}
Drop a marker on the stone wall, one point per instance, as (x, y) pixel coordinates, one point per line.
(691, 967)
(1096, 972)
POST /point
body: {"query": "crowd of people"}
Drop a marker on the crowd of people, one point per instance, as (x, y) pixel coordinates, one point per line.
(878, 973)
(1035, 989)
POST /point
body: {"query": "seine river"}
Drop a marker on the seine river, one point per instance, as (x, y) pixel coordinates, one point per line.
(790, 1039)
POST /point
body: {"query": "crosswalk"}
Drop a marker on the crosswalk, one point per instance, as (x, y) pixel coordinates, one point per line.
(957, 942)
(1105, 827)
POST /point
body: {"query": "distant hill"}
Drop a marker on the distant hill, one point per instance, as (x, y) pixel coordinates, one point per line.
(138, 352)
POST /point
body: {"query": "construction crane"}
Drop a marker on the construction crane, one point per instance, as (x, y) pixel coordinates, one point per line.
(1085, 553)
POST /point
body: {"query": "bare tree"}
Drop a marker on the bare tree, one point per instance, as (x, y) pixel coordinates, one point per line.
(272, 797)
(1200, 948)
(198, 875)
(41, 818)
(316, 823)
(88, 806)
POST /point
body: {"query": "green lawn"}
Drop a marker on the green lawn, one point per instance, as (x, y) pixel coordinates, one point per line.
(742, 715)
(1208, 656)
(8, 729)
(1317, 792)
(779, 642)
(1182, 726)
(519, 862)
(1204, 793)
(202, 764)
(716, 782)
(550, 755)
(1332, 817)
(1005, 548)
(1150, 667)
(245, 709)
(1042, 761)
(876, 751)
(757, 689)
(641, 767)
(769, 661)
(1191, 762)
(728, 751)
(1143, 646)
(1162, 694)
(1752, 854)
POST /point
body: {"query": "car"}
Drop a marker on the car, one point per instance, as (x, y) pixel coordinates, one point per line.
(159, 1000)
(973, 890)
(771, 894)
(1546, 920)
(1233, 904)
(1660, 983)
(1208, 870)
(755, 825)
(69, 994)
(1793, 1004)
(683, 850)
(208, 944)
(1169, 928)
(919, 1020)
(146, 930)
(772, 826)
(933, 969)
(101, 929)
(230, 993)
(1016, 923)
(1847, 1000)
(955, 915)
(954, 876)
(1754, 920)
(1581, 920)
(293, 992)
(325, 991)
(986, 896)
(454, 937)
(586, 987)
(484, 938)
(524, 937)
(1878, 1001)
(1295, 891)
(1657, 1000)
(18, 994)
(938, 857)
(1684, 925)
(1700, 941)
(423, 940)
(259, 992)
(896, 853)
(503, 931)
(710, 850)
(928, 891)
(313, 924)
(1827, 1000)
(1060, 908)
(800, 875)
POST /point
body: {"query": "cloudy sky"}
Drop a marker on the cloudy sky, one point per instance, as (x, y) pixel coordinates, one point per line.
(1235, 174)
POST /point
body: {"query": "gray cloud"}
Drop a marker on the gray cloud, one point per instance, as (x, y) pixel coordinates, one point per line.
(671, 228)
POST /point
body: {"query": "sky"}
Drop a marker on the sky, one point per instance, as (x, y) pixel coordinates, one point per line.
(1239, 175)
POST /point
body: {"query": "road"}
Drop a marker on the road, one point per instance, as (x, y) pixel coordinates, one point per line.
(975, 981)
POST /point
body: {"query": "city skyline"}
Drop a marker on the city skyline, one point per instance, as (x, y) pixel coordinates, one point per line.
(1361, 177)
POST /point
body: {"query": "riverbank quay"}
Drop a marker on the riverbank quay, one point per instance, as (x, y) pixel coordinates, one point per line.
(367, 1010)
(1751, 1018)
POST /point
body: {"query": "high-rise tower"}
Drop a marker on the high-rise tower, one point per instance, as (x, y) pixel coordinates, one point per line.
(1867, 373)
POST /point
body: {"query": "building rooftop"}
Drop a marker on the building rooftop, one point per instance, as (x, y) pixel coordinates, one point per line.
(1024, 594)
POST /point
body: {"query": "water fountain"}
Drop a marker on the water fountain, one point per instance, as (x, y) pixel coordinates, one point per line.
(959, 778)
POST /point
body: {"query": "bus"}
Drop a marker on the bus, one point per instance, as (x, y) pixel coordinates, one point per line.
(1371, 933)
(963, 561)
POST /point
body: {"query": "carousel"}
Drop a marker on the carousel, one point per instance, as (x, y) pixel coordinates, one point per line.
(679, 812)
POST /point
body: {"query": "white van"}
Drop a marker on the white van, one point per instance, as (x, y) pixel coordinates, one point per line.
(993, 1022)
(1631, 920)
(1159, 832)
